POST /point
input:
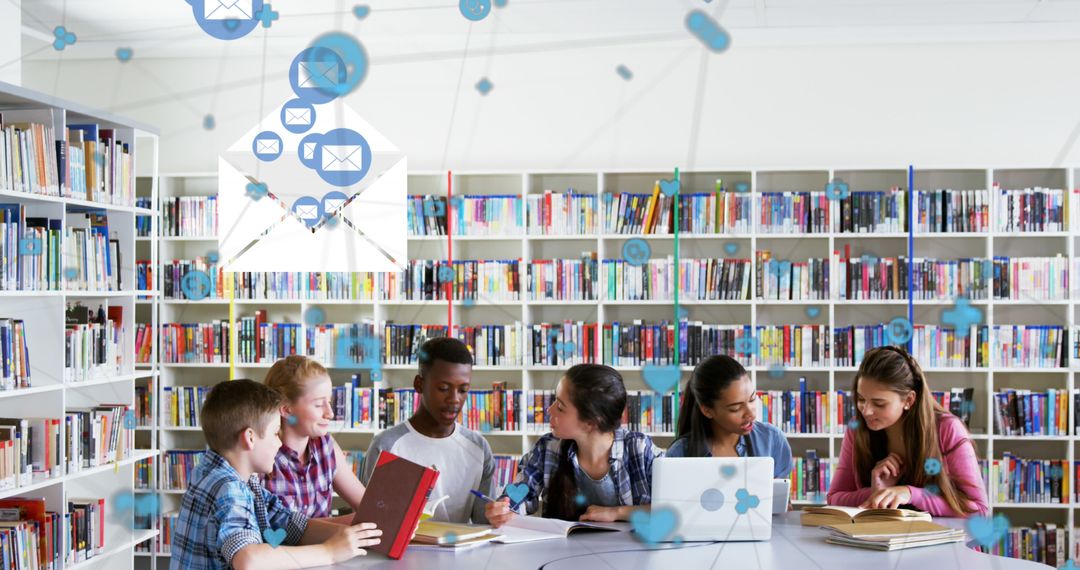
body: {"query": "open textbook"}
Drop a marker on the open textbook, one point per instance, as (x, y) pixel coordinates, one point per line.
(528, 529)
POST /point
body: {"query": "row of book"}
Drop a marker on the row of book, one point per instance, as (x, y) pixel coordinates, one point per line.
(633, 343)
(1046, 543)
(654, 280)
(1030, 210)
(35, 538)
(87, 162)
(426, 279)
(865, 277)
(947, 210)
(143, 225)
(91, 260)
(189, 216)
(1014, 479)
(552, 213)
(31, 251)
(805, 411)
(778, 279)
(1026, 412)
(181, 405)
(14, 355)
(811, 476)
(92, 350)
(33, 449)
(724, 211)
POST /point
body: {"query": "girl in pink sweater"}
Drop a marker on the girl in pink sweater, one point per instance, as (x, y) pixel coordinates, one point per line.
(906, 448)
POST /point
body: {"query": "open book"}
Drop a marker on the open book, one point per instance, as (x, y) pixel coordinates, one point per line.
(527, 529)
(820, 516)
(893, 535)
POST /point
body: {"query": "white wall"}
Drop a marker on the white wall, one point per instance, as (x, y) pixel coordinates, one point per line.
(982, 104)
(11, 41)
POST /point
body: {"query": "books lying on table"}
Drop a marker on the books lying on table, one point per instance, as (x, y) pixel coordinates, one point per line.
(528, 529)
(893, 535)
(832, 515)
(438, 535)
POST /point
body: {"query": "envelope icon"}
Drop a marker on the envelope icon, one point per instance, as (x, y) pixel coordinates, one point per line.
(281, 232)
(342, 157)
(307, 211)
(297, 116)
(227, 9)
(268, 146)
(318, 74)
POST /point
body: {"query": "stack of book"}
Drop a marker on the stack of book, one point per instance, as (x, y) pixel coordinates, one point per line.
(893, 535)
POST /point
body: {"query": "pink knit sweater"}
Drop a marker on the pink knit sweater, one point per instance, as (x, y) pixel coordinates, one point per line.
(959, 461)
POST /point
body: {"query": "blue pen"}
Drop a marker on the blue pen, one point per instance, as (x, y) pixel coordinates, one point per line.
(481, 495)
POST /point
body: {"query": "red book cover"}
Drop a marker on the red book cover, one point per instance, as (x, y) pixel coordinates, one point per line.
(394, 500)
(31, 510)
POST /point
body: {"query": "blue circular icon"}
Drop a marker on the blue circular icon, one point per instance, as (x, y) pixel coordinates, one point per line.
(266, 146)
(314, 316)
(899, 331)
(297, 116)
(333, 201)
(196, 285)
(636, 251)
(475, 10)
(343, 157)
(712, 500)
(226, 19)
(314, 67)
(348, 51)
(308, 209)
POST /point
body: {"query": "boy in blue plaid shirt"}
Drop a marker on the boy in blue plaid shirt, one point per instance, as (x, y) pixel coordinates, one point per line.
(227, 519)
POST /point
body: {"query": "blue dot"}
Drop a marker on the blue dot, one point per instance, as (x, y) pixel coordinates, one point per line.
(580, 500)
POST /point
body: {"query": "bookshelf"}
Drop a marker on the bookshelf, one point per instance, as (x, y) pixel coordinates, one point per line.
(782, 243)
(43, 295)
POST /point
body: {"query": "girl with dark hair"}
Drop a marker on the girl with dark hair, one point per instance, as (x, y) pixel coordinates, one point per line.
(588, 468)
(906, 448)
(718, 418)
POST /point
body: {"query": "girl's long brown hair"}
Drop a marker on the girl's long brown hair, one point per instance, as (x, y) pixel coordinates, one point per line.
(895, 369)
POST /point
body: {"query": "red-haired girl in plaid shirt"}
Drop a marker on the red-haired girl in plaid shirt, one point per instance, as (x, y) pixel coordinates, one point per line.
(306, 470)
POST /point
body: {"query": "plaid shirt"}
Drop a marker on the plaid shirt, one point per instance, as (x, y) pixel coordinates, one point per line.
(305, 488)
(631, 460)
(221, 514)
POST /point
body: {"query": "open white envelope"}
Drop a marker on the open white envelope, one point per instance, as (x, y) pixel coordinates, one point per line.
(267, 235)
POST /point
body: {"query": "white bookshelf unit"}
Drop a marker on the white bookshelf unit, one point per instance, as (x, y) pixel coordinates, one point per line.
(43, 312)
(833, 312)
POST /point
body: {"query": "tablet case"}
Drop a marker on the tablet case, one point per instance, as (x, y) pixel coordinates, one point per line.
(394, 500)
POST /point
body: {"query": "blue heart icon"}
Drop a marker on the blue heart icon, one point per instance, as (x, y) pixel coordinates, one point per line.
(655, 526)
(731, 247)
(669, 187)
(361, 11)
(728, 471)
(124, 54)
(813, 312)
(987, 531)
(661, 378)
(742, 186)
(517, 492)
(274, 537)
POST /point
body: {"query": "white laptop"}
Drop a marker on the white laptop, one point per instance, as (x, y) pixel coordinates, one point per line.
(715, 498)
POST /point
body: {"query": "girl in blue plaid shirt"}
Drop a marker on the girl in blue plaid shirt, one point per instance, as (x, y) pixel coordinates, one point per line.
(588, 468)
